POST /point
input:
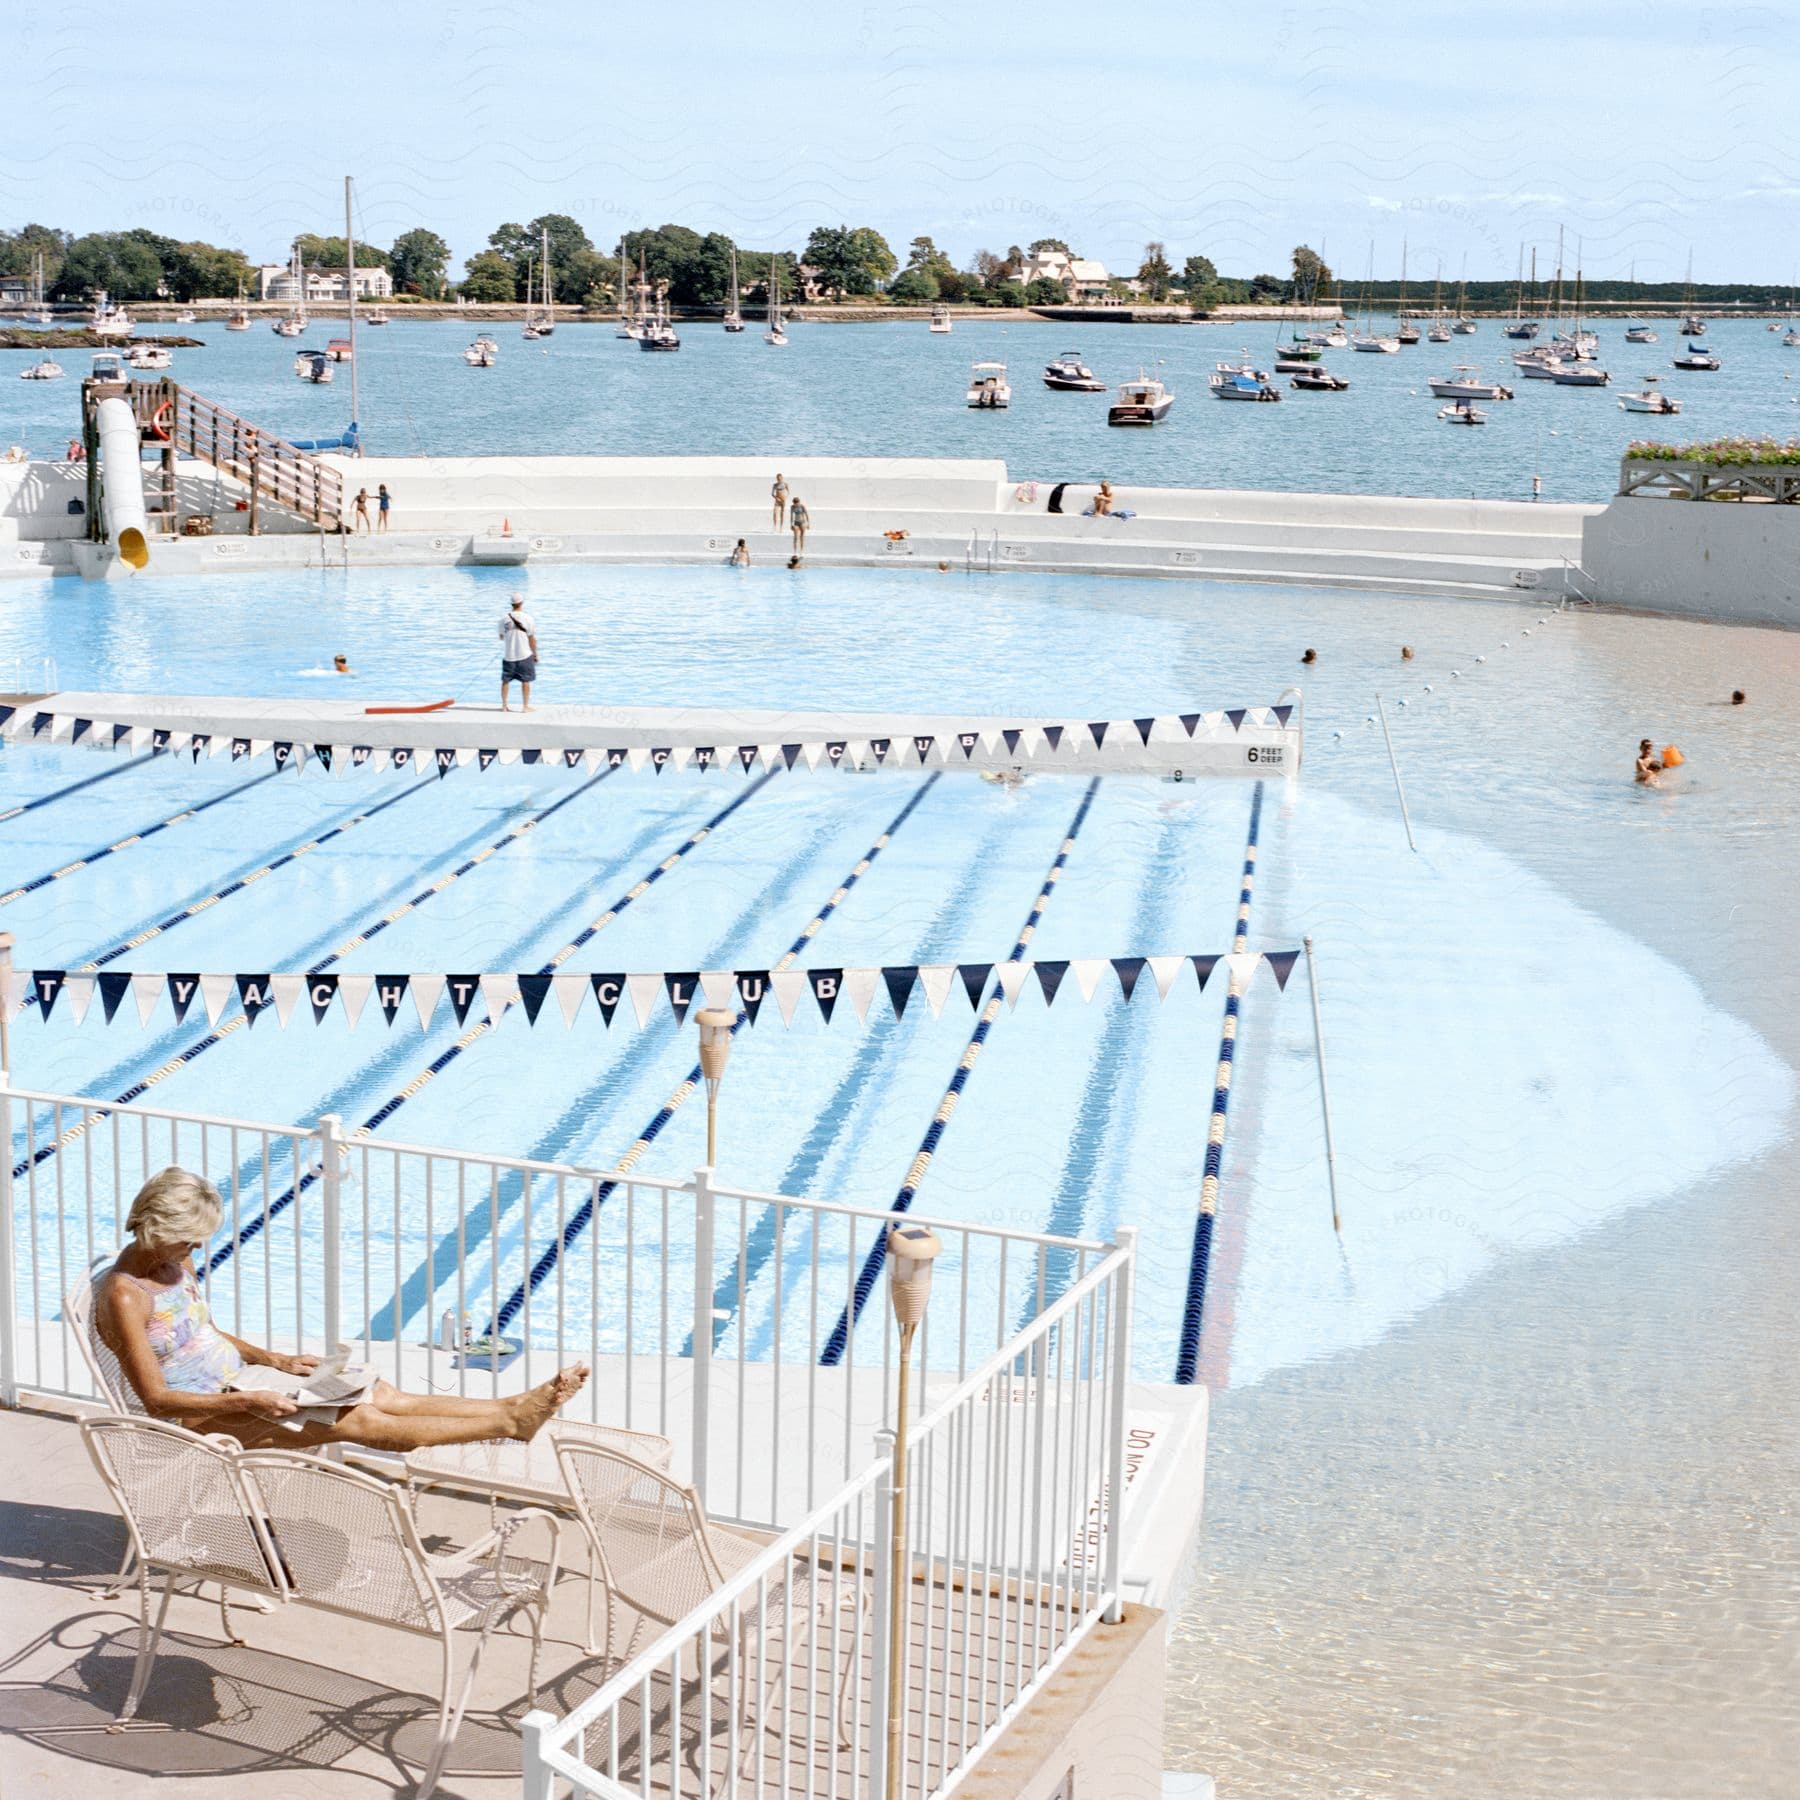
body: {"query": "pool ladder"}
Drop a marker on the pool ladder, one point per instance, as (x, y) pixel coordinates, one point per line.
(47, 669)
(978, 556)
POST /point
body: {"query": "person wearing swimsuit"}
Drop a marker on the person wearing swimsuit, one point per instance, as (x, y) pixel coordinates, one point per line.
(151, 1313)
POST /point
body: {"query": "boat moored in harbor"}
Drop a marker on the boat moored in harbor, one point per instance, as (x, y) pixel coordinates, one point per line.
(1466, 383)
(1239, 381)
(1068, 374)
(1639, 334)
(483, 353)
(988, 386)
(313, 366)
(1462, 412)
(148, 356)
(43, 370)
(1697, 356)
(1651, 400)
(1322, 381)
(1142, 402)
(1580, 374)
(940, 320)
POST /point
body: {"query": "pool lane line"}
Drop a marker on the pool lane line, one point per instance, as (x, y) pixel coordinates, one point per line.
(1193, 1313)
(219, 1033)
(475, 1033)
(577, 1221)
(839, 1340)
(137, 837)
(236, 887)
(75, 787)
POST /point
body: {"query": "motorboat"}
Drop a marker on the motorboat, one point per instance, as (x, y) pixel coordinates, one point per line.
(1639, 334)
(482, 354)
(1692, 325)
(659, 334)
(237, 320)
(107, 369)
(339, 349)
(1540, 364)
(184, 318)
(1142, 402)
(1697, 356)
(1579, 345)
(109, 321)
(1286, 364)
(1523, 329)
(1791, 338)
(374, 316)
(1238, 381)
(734, 315)
(940, 320)
(45, 370)
(314, 366)
(1462, 412)
(1321, 381)
(1068, 374)
(148, 356)
(988, 387)
(1651, 400)
(1465, 328)
(1465, 383)
(1580, 375)
(293, 326)
(1371, 345)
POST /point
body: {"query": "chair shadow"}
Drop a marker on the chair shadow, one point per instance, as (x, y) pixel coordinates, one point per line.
(59, 1543)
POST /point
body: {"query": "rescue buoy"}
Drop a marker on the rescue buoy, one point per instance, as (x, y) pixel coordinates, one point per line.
(158, 422)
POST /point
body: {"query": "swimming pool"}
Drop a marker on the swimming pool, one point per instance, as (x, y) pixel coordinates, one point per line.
(1561, 1039)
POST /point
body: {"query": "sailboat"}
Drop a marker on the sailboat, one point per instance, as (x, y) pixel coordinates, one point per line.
(1522, 327)
(658, 332)
(1365, 339)
(734, 313)
(1464, 326)
(238, 319)
(1440, 326)
(1692, 325)
(775, 334)
(39, 314)
(1408, 332)
(1790, 339)
(539, 324)
(295, 322)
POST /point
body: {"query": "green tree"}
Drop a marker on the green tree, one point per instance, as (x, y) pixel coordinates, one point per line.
(1266, 290)
(199, 271)
(119, 261)
(328, 253)
(1006, 292)
(490, 278)
(913, 287)
(1045, 292)
(592, 279)
(520, 244)
(19, 248)
(1154, 272)
(1050, 244)
(924, 255)
(418, 261)
(1311, 275)
(1200, 283)
(849, 261)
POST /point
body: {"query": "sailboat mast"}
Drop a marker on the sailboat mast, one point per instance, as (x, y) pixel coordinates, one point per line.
(350, 291)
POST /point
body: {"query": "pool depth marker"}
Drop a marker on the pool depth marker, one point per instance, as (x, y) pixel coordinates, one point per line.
(75, 787)
(839, 1340)
(137, 837)
(1187, 1359)
(219, 1033)
(393, 1103)
(577, 1221)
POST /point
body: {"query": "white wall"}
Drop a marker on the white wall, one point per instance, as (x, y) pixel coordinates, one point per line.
(1710, 559)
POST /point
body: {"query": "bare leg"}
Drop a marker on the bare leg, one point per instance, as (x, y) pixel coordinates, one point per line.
(525, 696)
(505, 702)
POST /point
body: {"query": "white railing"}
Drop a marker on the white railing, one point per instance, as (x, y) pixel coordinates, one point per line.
(779, 1683)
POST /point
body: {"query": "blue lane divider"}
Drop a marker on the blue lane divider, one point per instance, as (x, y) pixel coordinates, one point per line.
(603, 1191)
(75, 787)
(235, 887)
(1193, 1312)
(476, 1033)
(137, 837)
(839, 1340)
(219, 1033)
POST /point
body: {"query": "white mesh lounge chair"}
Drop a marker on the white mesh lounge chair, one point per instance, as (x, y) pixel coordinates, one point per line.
(308, 1532)
(658, 1552)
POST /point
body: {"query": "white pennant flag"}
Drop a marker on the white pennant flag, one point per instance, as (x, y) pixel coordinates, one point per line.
(720, 988)
(645, 991)
(427, 990)
(508, 757)
(1242, 964)
(771, 756)
(859, 984)
(79, 992)
(340, 759)
(1257, 715)
(811, 754)
(1087, 973)
(637, 757)
(353, 990)
(1011, 976)
(62, 727)
(260, 747)
(215, 990)
(1212, 720)
(496, 991)
(1165, 969)
(465, 755)
(287, 989)
(138, 737)
(990, 739)
(788, 985)
(12, 997)
(569, 990)
(146, 990)
(936, 978)
(856, 753)
(681, 756)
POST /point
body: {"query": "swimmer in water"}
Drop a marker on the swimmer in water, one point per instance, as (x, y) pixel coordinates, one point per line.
(1649, 770)
(1737, 696)
(340, 665)
(1406, 652)
(740, 557)
(1311, 656)
(1006, 778)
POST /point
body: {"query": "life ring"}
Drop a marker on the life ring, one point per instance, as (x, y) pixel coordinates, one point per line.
(158, 427)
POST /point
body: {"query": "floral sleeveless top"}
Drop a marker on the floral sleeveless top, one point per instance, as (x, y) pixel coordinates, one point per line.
(195, 1358)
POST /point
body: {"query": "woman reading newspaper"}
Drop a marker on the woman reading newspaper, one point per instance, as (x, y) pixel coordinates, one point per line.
(150, 1312)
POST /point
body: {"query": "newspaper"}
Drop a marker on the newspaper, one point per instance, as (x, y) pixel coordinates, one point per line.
(336, 1383)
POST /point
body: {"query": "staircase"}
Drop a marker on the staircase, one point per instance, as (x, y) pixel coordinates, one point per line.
(178, 421)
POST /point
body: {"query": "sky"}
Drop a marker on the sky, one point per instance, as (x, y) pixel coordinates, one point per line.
(1455, 132)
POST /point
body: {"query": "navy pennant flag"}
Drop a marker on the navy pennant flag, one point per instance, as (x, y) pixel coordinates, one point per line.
(182, 989)
(49, 984)
(746, 755)
(923, 746)
(825, 985)
(1143, 729)
(462, 990)
(531, 758)
(1189, 721)
(752, 989)
(1281, 714)
(360, 754)
(159, 738)
(1203, 967)
(202, 742)
(41, 722)
(790, 754)
(1236, 716)
(118, 731)
(390, 990)
(1010, 738)
(323, 753)
(255, 994)
(6, 712)
(899, 981)
(403, 757)
(835, 752)
(113, 988)
(1050, 978)
(880, 747)
(321, 990)
(617, 758)
(240, 748)
(1128, 969)
(608, 989)
(1097, 731)
(659, 757)
(704, 755)
(283, 753)
(532, 990)
(571, 759)
(82, 728)
(681, 984)
(1282, 962)
(1054, 735)
(446, 761)
(974, 979)
(484, 759)
(968, 740)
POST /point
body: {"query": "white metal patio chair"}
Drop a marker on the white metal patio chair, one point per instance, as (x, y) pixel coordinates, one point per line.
(658, 1552)
(309, 1532)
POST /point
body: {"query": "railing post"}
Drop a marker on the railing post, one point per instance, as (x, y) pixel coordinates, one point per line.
(1120, 1374)
(9, 1322)
(702, 1335)
(331, 1224)
(881, 1616)
(537, 1780)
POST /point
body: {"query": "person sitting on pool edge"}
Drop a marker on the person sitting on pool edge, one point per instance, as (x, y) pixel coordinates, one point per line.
(740, 557)
(151, 1314)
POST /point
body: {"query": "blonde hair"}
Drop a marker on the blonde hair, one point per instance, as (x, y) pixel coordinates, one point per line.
(175, 1207)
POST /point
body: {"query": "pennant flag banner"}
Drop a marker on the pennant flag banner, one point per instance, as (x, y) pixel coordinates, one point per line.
(635, 998)
(1255, 740)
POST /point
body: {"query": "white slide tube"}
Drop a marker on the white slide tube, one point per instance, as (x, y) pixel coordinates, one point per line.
(122, 481)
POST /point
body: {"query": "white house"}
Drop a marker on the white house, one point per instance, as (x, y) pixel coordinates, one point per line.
(276, 282)
(1080, 277)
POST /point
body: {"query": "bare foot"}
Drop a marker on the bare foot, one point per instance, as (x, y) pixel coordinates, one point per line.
(534, 1410)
